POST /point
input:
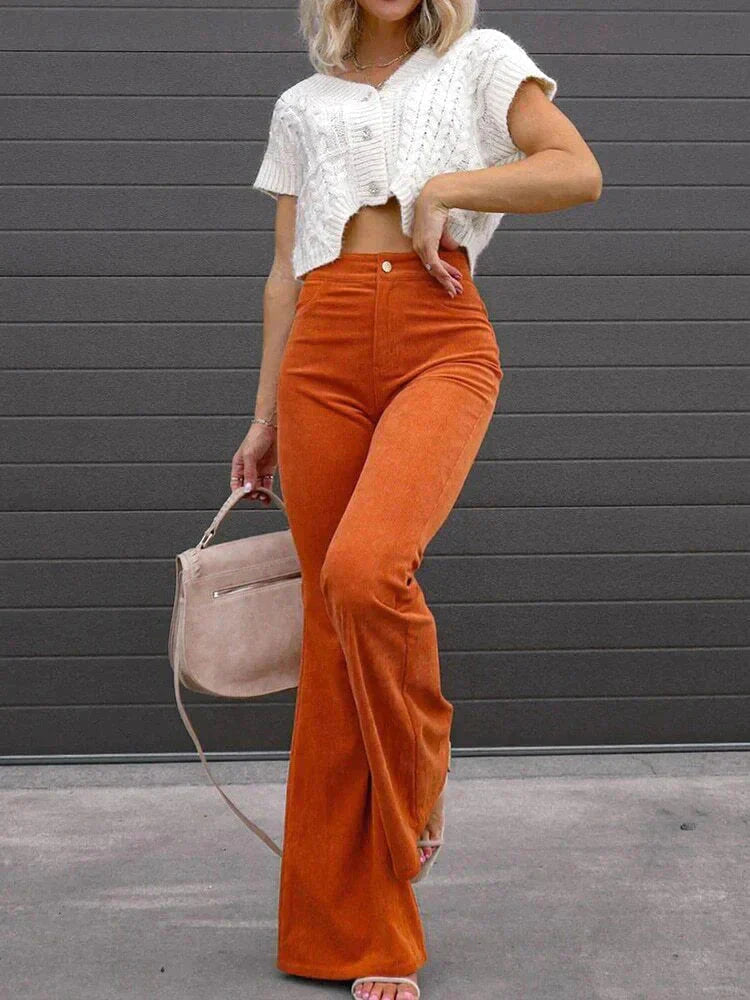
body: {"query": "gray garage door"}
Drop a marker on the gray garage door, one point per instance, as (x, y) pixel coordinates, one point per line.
(590, 587)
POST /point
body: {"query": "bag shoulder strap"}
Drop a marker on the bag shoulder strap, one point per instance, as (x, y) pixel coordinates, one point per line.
(208, 534)
(257, 830)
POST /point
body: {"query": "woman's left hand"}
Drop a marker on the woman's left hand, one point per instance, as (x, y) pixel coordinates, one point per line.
(428, 235)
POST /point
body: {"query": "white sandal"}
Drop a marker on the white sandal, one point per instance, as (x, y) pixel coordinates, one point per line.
(436, 844)
(384, 979)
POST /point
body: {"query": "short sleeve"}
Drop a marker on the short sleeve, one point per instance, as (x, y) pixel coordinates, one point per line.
(280, 171)
(507, 66)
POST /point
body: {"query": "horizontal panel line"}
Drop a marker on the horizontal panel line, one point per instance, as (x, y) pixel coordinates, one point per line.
(299, 52)
(229, 703)
(166, 276)
(192, 8)
(169, 96)
(630, 554)
(219, 141)
(739, 366)
(243, 324)
(276, 9)
(484, 461)
(536, 602)
(594, 143)
(223, 276)
(542, 651)
(560, 414)
(255, 231)
(234, 277)
(208, 511)
(254, 756)
(218, 185)
(499, 603)
(507, 416)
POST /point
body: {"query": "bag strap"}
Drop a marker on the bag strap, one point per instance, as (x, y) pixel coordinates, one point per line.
(231, 500)
(208, 534)
(258, 831)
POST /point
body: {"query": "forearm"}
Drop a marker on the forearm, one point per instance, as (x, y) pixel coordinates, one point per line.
(546, 181)
(279, 300)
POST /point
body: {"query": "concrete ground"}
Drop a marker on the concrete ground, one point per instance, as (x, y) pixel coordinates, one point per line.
(568, 877)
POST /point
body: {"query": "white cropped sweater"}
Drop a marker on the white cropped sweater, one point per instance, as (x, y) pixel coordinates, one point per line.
(341, 144)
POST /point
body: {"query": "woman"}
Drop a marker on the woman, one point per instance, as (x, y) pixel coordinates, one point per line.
(391, 167)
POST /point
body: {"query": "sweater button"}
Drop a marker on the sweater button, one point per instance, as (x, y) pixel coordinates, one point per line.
(367, 132)
(373, 187)
(386, 265)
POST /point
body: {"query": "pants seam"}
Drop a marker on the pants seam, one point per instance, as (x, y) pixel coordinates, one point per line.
(292, 752)
(415, 754)
(416, 804)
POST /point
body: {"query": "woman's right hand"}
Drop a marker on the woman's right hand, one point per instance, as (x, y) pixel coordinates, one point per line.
(255, 460)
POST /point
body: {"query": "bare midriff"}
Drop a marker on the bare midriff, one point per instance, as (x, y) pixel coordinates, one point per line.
(376, 229)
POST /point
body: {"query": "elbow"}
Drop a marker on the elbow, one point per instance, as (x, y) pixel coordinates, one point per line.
(592, 181)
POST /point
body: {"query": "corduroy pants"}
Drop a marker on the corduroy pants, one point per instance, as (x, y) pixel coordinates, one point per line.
(386, 389)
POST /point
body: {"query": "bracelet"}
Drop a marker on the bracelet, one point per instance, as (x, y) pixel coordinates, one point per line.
(262, 420)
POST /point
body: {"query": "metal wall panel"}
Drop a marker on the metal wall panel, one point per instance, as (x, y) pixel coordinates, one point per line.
(591, 586)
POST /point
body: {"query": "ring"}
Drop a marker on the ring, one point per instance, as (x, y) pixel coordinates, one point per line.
(428, 267)
(235, 479)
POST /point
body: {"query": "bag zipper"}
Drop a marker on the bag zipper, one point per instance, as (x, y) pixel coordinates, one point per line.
(256, 583)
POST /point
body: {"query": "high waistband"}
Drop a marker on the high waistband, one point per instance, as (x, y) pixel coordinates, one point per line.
(385, 264)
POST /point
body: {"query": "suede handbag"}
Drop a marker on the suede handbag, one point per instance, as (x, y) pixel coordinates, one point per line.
(236, 627)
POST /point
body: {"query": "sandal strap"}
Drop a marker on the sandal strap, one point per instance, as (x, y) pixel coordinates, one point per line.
(385, 979)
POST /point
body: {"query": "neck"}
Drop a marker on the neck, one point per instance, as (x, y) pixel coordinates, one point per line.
(380, 40)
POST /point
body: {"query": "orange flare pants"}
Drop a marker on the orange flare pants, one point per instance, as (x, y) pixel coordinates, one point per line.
(386, 389)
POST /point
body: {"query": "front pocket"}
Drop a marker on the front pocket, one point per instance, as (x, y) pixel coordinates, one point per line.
(254, 584)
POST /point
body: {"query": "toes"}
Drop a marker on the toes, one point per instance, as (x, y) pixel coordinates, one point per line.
(385, 991)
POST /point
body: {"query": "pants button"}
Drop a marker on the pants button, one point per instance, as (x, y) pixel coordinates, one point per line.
(386, 265)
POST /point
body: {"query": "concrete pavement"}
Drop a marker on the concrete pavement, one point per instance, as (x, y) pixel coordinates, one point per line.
(567, 877)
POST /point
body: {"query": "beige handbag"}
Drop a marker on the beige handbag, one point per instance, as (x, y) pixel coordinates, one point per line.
(236, 629)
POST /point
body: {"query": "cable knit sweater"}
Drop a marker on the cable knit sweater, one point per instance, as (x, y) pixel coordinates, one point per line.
(341, 144)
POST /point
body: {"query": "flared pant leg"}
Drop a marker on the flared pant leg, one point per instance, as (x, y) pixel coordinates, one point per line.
(376, 437)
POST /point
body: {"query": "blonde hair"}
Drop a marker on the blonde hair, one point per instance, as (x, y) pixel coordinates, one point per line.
(331, 28)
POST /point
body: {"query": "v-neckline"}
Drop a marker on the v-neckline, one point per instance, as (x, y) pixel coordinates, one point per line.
(379, 90)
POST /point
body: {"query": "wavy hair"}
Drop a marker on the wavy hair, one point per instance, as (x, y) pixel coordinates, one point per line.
(331, 28)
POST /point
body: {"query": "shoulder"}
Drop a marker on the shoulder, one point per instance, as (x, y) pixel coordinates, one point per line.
(295, 97)
(491, 44)
(504, 63)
